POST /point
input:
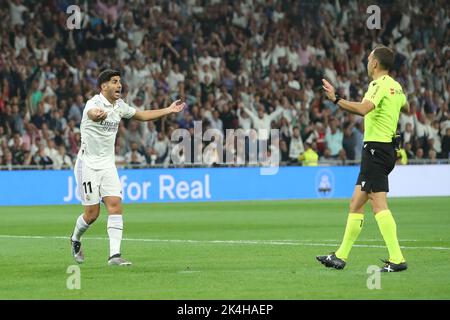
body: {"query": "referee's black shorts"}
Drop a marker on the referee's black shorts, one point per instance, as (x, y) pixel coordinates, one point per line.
(377, 161)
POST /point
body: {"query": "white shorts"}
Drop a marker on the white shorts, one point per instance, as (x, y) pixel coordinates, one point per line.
(93, 185)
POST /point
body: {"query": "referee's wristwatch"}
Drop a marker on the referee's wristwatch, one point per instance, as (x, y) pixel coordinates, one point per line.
(337, 99)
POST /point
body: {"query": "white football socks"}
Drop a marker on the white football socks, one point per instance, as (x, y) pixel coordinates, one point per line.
(80, 227)
(115, 227)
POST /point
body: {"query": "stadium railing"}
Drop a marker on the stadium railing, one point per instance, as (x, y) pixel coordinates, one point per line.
(324, 163)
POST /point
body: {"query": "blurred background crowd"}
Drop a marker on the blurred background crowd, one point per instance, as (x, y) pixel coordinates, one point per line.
(239, 64)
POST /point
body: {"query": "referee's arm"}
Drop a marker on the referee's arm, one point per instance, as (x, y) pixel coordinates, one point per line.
(405, 107)
(361, 108)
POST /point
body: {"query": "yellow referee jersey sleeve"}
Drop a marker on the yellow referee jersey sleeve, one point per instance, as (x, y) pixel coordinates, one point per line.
(374, 93)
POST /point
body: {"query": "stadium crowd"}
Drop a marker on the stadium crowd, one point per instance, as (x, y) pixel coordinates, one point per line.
(239, 64)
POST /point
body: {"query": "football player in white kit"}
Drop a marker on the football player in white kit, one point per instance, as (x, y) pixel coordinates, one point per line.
(95, 170)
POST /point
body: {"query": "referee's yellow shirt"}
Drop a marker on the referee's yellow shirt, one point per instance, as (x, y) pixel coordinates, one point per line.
(387, 95)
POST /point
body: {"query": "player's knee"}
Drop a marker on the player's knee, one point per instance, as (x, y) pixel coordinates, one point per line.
(355, 206)
(378, 205)
(114, 208)
(376, 209)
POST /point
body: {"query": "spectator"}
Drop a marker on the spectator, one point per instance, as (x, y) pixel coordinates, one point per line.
(16, 120)
(133, 135)
(134, 157)
(51, 151)
(62, 160)
(409, 151)
(207, 86)
(402, 157)
(419, 153)
(333, 139)
(245, 122)
(40, 117)
(327, 159)
(119, 156)
(215, 121)
(8, 161)
(262, 121)
(57, 123)
(41, 158)
(3, 137)
(446, 145)
(174, 78)
(359, 138)
(349, 141)
(160, 149)
(76, 109)
(296, 145)
(284, 153)
(407, 118)
(17, 152)
(228, 118)
(408, 134)
(16, 10)
(423, 130)
(150, 135)
(434, 140)
(432, 155)
(310, 157)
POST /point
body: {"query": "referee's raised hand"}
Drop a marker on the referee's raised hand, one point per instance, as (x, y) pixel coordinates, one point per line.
(330, 92)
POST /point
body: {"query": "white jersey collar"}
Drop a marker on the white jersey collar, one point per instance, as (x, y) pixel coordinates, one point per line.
(106, 101)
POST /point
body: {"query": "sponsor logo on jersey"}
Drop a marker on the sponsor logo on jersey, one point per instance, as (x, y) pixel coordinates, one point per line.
(110, 126)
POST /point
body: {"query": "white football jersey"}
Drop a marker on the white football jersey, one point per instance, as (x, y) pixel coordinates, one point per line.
(98, 138)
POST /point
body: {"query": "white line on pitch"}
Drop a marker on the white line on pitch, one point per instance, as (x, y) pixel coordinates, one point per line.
(253, 242)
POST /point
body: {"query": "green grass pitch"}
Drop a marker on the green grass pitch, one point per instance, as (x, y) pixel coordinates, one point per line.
(224, 250)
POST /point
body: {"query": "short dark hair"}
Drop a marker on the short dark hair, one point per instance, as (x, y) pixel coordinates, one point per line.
(385, 57)
(106, 75)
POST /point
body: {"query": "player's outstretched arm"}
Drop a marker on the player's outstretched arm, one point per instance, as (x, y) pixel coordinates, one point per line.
(360, 108)
(148, 115)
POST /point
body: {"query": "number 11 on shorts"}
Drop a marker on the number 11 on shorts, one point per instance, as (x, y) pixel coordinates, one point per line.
(85, 185)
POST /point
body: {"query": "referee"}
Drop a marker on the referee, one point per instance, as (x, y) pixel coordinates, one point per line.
(381, 108)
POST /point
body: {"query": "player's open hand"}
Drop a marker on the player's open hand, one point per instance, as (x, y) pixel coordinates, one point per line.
(97, 114)
(330, 92)
(101, 115)
(177, 106)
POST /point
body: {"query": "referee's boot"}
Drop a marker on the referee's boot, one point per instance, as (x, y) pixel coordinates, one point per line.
(393, 267)
(331, 261)
(77, 253)
(117, 260)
